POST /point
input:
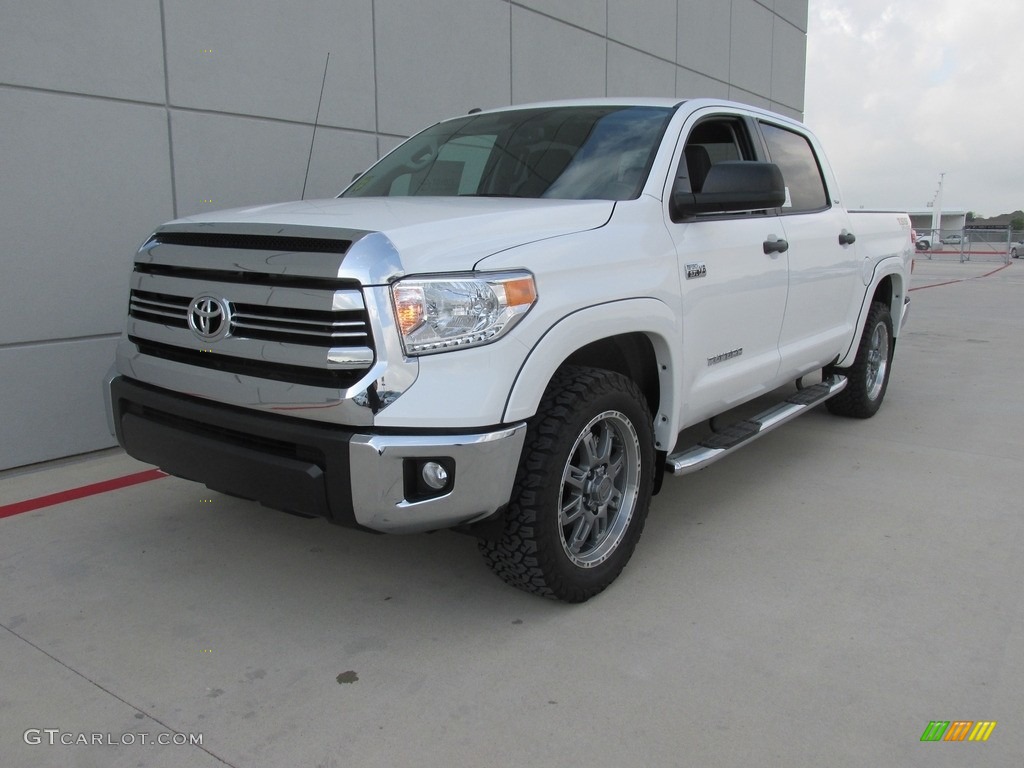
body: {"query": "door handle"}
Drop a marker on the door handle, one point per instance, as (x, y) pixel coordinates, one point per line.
(775, 245)
(847, 238)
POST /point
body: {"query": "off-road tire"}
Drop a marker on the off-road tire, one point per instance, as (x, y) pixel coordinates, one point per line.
(869, 375)
(588, 459)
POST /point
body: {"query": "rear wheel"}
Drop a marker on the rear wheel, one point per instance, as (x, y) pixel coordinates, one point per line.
(582, 491)
(869, 374)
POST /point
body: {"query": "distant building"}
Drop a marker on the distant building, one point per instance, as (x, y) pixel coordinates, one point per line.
(951, 220)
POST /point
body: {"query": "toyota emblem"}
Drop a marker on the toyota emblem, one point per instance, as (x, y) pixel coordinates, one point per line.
(209, 318)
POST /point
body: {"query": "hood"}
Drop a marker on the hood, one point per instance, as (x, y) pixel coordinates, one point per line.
(431, 234)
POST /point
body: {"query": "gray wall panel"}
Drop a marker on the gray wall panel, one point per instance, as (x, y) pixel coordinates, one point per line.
(269, 61)
(704, 37)
(631, 73)
(440, 59)
(106, 47)
(553, 61)
(793, 11)
(589, 14)
(54, 406)
(746, 97)
(789, 61)
(224, 161)
(85, 177)
(649, 26)
(691, 85)
(750, 60)
(782, 109)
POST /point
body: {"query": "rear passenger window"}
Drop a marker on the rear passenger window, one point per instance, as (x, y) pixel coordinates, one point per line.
(805, 187)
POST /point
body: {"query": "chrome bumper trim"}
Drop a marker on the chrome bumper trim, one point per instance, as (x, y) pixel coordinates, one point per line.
(485, 469)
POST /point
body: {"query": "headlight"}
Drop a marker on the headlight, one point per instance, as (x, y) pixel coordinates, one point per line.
(436, 314)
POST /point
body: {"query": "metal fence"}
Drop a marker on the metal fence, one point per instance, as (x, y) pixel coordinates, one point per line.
(968, 244)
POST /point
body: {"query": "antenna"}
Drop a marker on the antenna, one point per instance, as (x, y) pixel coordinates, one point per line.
(316, 121)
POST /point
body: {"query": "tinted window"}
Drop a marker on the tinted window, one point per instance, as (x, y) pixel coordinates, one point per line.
(712, 141)
(602, 152)
(793, 154)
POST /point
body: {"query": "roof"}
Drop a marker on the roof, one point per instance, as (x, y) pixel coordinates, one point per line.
(641, 101)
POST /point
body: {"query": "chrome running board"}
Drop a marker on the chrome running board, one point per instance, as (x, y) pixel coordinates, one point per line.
(725, 441)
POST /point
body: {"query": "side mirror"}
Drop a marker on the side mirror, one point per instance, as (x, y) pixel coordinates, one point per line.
(731, 187)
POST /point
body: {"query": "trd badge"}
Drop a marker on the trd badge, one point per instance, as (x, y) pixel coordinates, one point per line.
(696, 270)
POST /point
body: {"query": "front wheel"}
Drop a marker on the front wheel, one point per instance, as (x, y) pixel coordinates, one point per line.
(582, 491)
(869, 374)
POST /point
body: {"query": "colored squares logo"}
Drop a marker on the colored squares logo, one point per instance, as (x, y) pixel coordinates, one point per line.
(958, 730)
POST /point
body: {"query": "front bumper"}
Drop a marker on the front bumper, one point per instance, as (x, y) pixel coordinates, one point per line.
(351, 478)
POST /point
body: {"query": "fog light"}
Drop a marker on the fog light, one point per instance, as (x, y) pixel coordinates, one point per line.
(434, 475)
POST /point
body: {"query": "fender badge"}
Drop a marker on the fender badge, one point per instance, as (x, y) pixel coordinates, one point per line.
(725, 356)
(696, 270)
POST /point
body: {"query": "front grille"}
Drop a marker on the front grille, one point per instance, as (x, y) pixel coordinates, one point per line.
(290, 317)
(159, 308)
(318, 328)
(293, 374)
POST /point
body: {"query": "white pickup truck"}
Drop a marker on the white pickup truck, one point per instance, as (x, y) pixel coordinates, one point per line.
(503, 326)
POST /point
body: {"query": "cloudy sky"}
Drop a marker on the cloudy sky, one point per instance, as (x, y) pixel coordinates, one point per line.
(900, 91)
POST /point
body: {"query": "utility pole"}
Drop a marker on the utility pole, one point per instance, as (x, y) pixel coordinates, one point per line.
(937, 213)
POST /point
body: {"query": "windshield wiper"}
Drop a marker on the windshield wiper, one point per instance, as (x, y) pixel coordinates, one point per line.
(487, 194)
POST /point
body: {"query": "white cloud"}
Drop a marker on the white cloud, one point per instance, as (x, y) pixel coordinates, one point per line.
(900, 92)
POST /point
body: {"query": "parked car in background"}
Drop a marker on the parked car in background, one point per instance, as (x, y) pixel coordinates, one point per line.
(1017, 249)
(923, 243)
(953, 238)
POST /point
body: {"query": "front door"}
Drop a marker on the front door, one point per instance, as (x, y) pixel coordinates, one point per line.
(733, 291)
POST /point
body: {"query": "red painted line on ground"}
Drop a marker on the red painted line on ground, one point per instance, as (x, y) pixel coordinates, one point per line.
(994, 254)
(962, 279)
(935, 285)
(1000, 269)
(78, 493)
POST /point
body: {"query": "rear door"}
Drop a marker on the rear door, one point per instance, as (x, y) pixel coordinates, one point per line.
(825, 282)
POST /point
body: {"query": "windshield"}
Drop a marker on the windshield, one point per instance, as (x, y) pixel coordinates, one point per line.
(574, 153)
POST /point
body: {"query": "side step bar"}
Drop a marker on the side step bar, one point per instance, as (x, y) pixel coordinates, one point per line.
(727, 440)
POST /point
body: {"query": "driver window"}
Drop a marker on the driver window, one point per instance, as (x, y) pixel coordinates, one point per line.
(712, 141)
